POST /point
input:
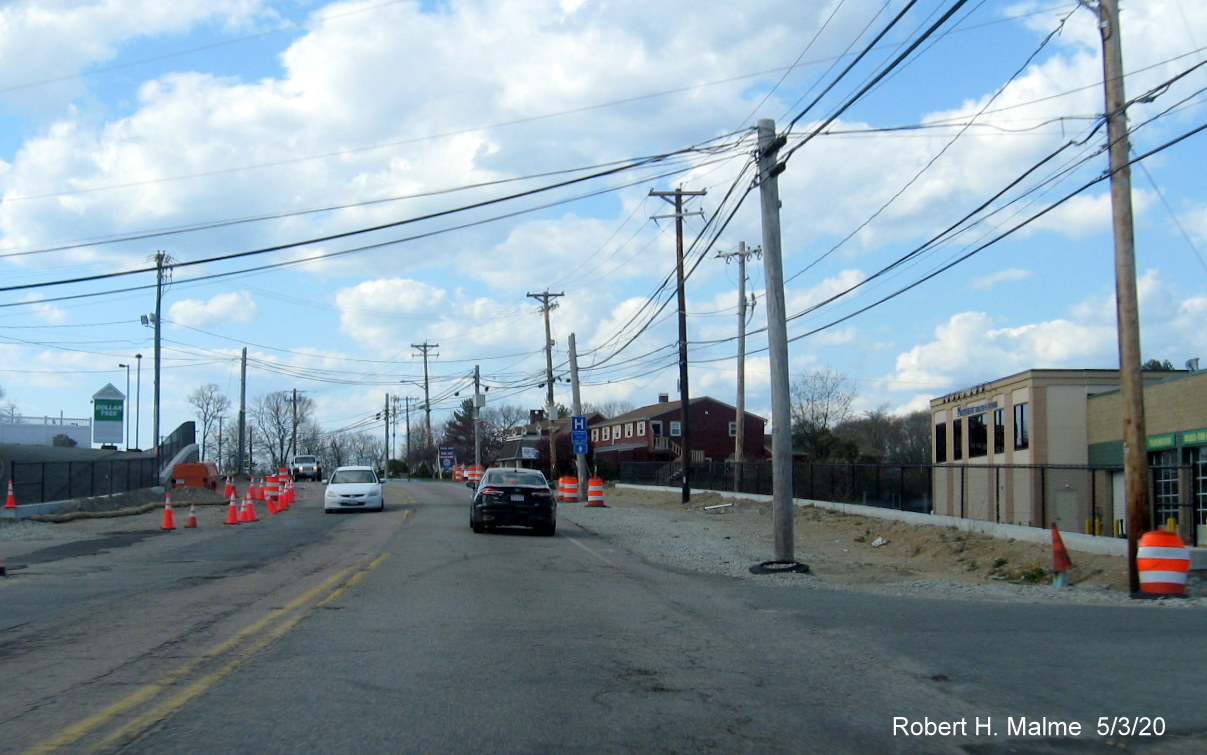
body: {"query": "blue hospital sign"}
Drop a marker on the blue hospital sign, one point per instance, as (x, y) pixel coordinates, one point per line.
(578, 423)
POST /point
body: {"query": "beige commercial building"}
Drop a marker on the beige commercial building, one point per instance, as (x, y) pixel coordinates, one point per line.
(1175, 423)
(997, 449)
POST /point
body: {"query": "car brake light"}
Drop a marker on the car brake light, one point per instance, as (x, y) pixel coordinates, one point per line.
(492, 492)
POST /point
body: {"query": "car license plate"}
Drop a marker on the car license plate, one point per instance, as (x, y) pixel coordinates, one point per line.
(517, 497)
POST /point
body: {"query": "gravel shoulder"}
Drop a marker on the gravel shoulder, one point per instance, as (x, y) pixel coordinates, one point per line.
(850, 552)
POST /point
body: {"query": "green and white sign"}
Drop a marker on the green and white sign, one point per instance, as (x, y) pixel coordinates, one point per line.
(107, 410)
(108, 415)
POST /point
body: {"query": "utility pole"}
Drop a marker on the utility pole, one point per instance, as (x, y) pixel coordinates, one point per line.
(160, 258)
(546, 306)
(138, 402)
(580, 460)
(684, 424)
(739, 441)
(242, 411)
(1127, 308)
(385, 466)
(394, 402)
(478, 402)
(293, 436)
(769, 168)
(407, 400)
(425, 347)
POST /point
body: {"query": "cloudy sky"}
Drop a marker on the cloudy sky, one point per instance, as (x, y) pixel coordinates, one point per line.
(334, 182)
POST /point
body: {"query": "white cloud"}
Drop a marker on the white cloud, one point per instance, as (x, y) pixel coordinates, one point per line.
(1012, 275)
(373, 313)
(971, 348)
(44, 44)
(224, 308)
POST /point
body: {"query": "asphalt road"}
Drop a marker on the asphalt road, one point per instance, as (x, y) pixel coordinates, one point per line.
(406, 632)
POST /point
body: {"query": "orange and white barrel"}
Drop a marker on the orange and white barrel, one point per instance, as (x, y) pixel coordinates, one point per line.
(458, 473)
(475, 473)
(595, 494)
(1163, 563)
(272, 488)
(567, 488)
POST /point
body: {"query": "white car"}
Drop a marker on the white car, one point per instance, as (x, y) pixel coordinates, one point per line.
(353, 488)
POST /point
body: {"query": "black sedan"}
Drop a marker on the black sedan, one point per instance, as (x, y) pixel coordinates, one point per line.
(511, 496)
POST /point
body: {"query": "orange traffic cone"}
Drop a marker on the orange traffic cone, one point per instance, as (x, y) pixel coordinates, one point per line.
(1061, 563)
(232, 511)
(270, 503)
(191, 522)
(169, 522)
(11, 501)
(249, 510)
(230, 487)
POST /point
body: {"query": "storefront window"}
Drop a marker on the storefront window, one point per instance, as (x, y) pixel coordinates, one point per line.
(1165, 484)
(978, 436)
(1022, 426)
(1198, 464)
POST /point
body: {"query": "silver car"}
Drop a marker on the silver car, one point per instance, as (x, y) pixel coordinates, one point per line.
(353, 489)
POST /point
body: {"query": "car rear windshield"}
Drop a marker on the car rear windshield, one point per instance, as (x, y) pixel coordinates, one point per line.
(517, 478)
(353, 475)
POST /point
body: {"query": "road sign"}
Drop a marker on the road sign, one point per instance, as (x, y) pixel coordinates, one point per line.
(578, 436)
(578, 423)
(581, 448)
(446, 462)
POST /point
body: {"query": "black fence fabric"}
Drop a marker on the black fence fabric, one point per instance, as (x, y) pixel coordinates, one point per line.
(47, 481)
(906, 488)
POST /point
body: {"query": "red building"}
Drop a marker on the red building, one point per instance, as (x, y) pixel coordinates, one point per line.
(655, 433)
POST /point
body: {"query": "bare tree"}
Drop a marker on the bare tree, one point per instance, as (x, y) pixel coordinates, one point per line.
(889, 438)
(8, 410)
(210, 404)
(272, 415)
(495, 424)
(821, 400)
(608, 408)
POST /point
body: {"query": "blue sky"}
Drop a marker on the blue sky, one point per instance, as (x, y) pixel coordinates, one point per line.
(304, 120)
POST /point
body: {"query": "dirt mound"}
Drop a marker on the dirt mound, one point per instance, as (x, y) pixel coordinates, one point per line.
(850, 549)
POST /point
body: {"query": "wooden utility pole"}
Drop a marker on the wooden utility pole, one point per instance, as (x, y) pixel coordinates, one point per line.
(739, 440)
(777, 343)
(385, 426)
(478, 403)
(580, 460)
(293, 436)
(547, 305)
(242, 412)
(1127, 308)
(160, 266)
(676, 198)
(407, 404)
(427, 404)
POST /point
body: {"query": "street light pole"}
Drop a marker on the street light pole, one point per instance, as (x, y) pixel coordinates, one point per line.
(138, 403)
(126, 408)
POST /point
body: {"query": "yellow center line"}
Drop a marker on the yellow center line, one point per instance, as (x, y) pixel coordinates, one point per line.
(336, 584)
